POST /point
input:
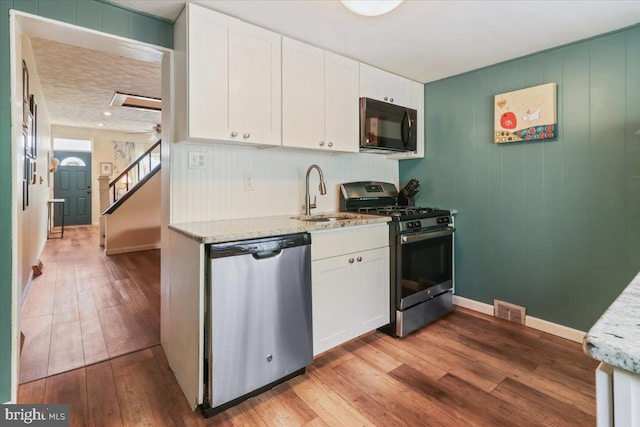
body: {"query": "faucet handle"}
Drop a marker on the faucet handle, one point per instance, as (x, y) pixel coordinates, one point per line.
(313, 205)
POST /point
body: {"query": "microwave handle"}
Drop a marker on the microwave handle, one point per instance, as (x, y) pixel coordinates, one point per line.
(406, 140)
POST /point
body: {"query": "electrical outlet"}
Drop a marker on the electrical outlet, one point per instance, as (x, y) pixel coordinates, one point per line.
(248, 182)
(197, 160)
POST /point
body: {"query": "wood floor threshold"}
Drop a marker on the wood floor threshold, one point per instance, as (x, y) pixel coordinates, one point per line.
(95, 363)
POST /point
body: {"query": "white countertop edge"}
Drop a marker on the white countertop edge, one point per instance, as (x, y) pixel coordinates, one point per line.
(228, 230)
(615, 337)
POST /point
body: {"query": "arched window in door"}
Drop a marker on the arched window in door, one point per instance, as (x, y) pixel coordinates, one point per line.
(72, 161)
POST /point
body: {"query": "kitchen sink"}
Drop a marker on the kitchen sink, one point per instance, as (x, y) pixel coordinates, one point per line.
(325, 218)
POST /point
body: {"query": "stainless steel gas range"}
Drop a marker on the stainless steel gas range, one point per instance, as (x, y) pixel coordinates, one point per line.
(421, 250)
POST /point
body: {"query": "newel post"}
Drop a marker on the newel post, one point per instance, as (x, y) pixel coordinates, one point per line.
(103, 185)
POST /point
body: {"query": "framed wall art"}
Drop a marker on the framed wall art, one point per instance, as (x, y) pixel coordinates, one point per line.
(526, 114)
(106, 168)
(28, 136)
(33, 106)
(25, 94)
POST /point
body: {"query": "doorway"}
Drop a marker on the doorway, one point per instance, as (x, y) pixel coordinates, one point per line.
(93, 277)
(72, 182)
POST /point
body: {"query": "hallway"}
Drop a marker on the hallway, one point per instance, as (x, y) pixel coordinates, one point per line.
(87, 307)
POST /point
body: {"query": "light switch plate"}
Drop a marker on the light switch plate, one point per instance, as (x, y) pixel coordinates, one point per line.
(248, 182)
(197, 160)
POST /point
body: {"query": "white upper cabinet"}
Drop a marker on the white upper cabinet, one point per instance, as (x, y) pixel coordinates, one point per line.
(384, 86)
(319, 99)
(228, 79)
(417, 102)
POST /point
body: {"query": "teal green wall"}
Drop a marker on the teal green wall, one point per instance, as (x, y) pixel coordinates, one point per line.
(554, 225)
(86, 13)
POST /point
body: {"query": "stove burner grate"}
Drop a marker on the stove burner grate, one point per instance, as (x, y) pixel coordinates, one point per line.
(398, 211)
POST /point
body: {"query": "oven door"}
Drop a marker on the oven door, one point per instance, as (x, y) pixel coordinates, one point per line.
(424, 266)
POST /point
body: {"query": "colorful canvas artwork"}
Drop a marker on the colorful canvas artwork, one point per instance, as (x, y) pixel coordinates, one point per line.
(526, 114)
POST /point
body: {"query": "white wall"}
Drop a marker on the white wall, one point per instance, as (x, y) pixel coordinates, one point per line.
(102, 152)
(32, 222)
(135, 225)
(217, 192)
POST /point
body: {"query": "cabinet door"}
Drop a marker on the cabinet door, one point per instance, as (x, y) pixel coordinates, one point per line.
(384, 86)
(417, 102)
(332, 302)
(207, 75)
(341, 109)
(398, 89)
(371, 286)
(254, 85)
(302, 95)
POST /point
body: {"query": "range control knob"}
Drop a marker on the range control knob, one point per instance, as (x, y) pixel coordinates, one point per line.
(417, 224)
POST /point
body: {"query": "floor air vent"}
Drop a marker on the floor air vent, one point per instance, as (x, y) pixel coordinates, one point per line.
(511, 312)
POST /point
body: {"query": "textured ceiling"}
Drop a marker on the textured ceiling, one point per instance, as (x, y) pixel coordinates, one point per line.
(78, 85)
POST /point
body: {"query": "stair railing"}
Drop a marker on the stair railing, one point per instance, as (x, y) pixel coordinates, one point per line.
(133, 173)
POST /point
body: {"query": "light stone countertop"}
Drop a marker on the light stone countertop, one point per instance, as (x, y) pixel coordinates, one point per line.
(251, 228)
(615, 338)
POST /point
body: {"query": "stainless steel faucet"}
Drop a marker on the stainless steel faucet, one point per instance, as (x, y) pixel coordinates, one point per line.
(322, 187)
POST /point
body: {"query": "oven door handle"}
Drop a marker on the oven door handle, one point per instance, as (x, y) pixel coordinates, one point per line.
(412, 238)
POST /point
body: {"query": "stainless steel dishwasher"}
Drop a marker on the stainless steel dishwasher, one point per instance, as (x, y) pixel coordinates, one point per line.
(259, 317)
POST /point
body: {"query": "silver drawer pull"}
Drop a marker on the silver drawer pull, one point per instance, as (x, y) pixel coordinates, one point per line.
(234, 134)
(321, 143)
(330, 144)
(246, 135)
(351, 260)
(386, 98)
(359, 259)
(391, 100)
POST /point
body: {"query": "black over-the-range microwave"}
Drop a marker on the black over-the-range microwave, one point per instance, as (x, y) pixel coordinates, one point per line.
(386, 127)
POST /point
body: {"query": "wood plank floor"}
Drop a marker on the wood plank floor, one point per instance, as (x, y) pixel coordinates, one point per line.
(467, 369)
(92, 331)
(87, 307)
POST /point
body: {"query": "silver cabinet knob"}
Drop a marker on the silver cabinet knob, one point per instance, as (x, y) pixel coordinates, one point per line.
(234, 134)
(391, 100)
(351, 260)
(359, 259)
(321, 143)
(246, 135)
(386, 98)
(330, 144)
(269, 358)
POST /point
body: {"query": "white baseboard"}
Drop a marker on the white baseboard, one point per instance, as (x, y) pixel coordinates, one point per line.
(473, 305)
(530, 321)
(132, 249)
(555, 329)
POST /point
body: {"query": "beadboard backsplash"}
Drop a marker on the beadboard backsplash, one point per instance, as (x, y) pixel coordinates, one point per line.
(218, 190)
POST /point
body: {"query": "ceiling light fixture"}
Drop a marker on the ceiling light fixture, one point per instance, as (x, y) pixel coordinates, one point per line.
(371, 7)
(100, 125)
(107, 113)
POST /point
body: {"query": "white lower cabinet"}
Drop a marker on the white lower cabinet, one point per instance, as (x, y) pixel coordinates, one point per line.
(350, 289)
(617, 397)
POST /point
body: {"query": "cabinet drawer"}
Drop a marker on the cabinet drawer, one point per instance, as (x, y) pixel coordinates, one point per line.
(330, 243)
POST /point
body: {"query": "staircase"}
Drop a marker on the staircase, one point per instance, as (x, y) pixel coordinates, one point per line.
(130, 203)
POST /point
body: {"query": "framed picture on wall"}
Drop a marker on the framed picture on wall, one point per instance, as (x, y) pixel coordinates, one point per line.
(25, 194)
(25, 94)
(33, 172)
(526, 114)
(106, 168)
(28, 136)
(34, 127)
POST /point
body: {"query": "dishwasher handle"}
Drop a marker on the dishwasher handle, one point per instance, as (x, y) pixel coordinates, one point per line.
(267, 254)
(259, 248)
